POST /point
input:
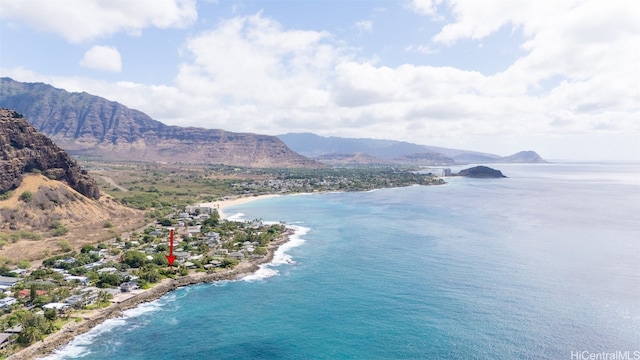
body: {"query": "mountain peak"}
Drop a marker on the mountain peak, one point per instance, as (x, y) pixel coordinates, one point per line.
(528, 156)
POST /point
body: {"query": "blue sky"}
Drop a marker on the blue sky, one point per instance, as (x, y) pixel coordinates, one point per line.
(500, 76)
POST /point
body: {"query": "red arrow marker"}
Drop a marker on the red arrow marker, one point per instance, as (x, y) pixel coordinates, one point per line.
(170, 257)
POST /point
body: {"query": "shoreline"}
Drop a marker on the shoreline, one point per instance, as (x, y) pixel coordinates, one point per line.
(96, 317)
(222, 204)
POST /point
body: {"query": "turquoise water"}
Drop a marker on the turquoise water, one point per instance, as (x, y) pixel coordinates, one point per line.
(536, 266)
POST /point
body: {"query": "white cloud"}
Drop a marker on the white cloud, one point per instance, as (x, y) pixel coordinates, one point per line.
(578, 79)
(425, 7)
(364, 26)
(105, 58)
(253, 60)
(82, 20)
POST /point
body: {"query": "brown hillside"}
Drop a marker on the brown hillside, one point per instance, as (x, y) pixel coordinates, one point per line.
(52, 201)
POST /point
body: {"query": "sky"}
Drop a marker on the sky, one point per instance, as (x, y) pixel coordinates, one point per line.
(559, 77)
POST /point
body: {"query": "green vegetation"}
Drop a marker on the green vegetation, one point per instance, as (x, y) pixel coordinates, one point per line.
(26, 196)
(6, 195)
(20, 235)
(57, 229)
(160, 189)
(64, 246)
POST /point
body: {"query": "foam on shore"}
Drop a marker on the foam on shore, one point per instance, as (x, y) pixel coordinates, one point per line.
(280, 257)
(78, 346)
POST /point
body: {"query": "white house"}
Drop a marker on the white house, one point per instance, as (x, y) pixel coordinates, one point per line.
(56, 305)
(8, 301)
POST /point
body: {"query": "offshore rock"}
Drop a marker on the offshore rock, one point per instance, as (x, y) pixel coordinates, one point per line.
(484, 172)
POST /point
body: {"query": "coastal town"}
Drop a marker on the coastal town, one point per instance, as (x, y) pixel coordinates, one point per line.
(76, 286)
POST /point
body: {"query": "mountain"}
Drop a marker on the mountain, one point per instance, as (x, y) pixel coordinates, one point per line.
(426, 159)
(24, 150)
(523, 157)
(89, 125)
(397, 152)
(46, 197)
(350, 159)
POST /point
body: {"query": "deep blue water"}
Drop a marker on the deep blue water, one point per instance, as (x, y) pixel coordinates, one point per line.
(535, 266)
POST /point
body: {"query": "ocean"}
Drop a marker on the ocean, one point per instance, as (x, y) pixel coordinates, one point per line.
(544, 264)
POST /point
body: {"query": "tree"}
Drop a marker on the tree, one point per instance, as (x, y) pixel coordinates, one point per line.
(33, 293)
(107, 280)
(160, 259)
(87, 248)
(134, 258)
(229, 262)
(33, 328)
(183, 271)
(51, 314)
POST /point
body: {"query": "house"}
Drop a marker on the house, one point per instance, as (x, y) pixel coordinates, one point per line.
(212, 236)
(203, 217)
(129, 286)
(68, 260)
(8, 301)
(74, 300)
(90, 294)
(236, 255)
(6, 340)
(108, 270)
(112, 292)
(189, 264)
(8, 281)
(95, 264)
(56, 305)
(27, 292)
(14, 330)
(192, 209)
(18, 271)
(181, 255)
(80, 279)
(194, 229)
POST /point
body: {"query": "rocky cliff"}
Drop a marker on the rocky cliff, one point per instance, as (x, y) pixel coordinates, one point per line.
(24, 150)
(89, 125)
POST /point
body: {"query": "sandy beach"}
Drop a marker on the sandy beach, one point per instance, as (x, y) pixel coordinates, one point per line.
(91, 319)
(221, 205)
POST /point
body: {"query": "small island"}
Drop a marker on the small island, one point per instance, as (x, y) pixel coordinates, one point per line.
(481, 172)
